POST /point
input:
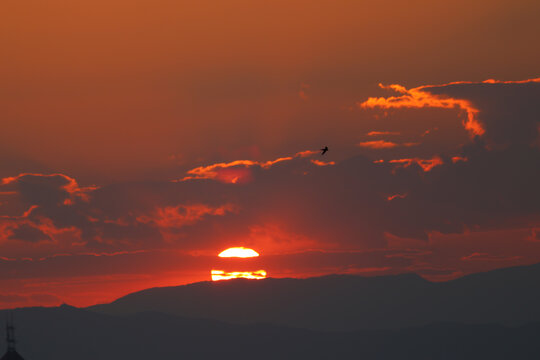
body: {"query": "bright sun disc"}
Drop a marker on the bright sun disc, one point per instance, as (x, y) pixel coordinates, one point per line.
(240, 252)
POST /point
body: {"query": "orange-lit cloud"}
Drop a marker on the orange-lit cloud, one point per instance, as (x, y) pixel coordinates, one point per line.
(378, 144)
(456, 159)
(383, 144)
(71, 186)
(379, 133)
(322, 163)
(420, 97)
(396, 196)
(490, 81)
(238, 171)
(306, 153)
(425, 164)
(37, 231)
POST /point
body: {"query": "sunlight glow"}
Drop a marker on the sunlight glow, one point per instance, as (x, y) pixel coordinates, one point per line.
(222, 275)
(240, 252)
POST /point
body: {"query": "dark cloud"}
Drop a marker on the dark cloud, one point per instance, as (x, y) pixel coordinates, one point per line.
(25, 232)
(508, 110)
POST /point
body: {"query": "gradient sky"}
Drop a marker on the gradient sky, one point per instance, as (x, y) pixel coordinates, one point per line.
(139, 139)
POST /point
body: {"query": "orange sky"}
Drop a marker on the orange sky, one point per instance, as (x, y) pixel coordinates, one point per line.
(156, 134)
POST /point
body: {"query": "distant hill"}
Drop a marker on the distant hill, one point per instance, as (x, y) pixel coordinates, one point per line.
(340, 302)
(67, 333)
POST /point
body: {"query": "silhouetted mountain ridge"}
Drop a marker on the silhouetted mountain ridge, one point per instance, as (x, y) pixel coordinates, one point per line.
(66, 333)
(346, 302)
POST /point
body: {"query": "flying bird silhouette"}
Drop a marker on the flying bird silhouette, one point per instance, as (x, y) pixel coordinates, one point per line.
(324, 150)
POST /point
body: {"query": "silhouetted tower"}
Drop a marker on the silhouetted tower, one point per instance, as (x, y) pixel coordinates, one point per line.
(11, 353)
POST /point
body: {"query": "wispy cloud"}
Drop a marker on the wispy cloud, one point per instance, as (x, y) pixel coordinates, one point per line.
(380, 133)
(425, 164)
(383, 144)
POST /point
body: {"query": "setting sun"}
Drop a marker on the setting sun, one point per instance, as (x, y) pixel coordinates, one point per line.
(240, 252)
